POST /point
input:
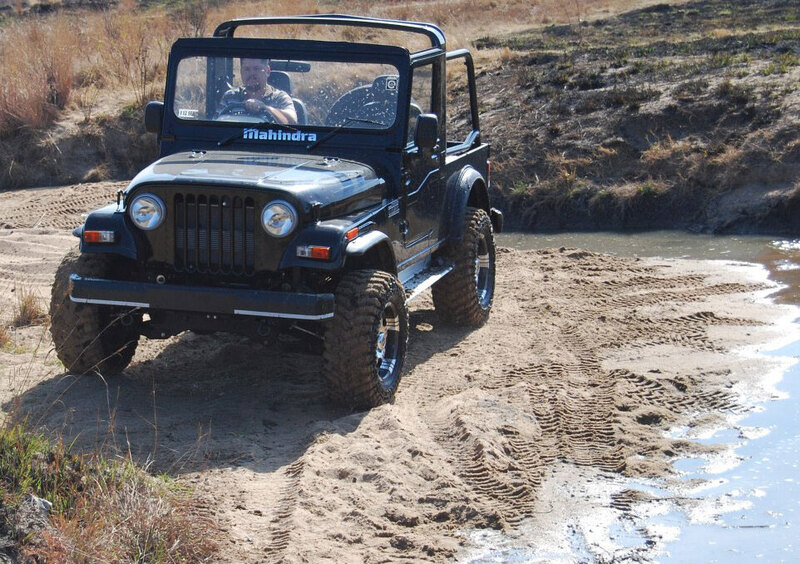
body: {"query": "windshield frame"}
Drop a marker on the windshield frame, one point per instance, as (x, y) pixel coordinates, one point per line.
(283, 50)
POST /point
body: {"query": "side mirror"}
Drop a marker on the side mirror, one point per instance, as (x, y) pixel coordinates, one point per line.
(427, 135)
(153, 117)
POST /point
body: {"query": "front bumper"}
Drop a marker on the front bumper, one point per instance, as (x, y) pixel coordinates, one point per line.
(202, 299)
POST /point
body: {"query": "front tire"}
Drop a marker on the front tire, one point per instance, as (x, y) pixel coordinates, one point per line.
(366, 341)
(464, 297)
(88, 337)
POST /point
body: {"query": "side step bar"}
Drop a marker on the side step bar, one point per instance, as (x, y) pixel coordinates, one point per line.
(425, 279)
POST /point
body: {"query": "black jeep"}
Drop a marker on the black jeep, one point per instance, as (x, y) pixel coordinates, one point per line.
(325, 225)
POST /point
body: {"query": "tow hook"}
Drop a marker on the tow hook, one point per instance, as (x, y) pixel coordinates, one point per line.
(264, 329)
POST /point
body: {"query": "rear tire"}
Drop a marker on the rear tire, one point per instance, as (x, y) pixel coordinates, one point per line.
(464, 297)
(87, 337)
(366, 341)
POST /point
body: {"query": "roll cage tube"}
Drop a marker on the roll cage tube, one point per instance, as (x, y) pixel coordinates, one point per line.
(432, 32)
(474, 137)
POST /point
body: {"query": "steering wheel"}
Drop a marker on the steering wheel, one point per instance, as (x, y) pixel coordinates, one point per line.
(240, 109)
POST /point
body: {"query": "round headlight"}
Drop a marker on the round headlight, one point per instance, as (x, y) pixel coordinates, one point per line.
(147, 211)
(279, 218)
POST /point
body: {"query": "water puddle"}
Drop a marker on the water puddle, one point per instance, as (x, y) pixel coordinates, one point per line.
(738, 505)
(745, 503)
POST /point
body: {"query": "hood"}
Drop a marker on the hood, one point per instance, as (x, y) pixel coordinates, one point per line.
(307, 177)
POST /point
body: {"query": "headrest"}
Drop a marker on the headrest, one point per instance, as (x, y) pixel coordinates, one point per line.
(281, 81)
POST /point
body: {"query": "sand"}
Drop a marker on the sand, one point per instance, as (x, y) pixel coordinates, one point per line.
(506, 435)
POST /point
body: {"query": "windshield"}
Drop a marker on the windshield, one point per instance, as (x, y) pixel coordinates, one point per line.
(258, 90)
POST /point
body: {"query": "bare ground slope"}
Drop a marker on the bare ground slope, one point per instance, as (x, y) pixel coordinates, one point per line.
(671, 116)
(586, 360)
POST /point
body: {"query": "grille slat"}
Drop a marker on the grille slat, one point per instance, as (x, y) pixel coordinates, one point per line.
(214, 234)
(202, 230)
(238, 232)
(216, 248)
(191, 233)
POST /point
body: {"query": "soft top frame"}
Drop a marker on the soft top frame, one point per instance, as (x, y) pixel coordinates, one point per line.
(432, 32)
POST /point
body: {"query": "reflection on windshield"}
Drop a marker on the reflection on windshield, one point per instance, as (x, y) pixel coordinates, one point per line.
(257, 90)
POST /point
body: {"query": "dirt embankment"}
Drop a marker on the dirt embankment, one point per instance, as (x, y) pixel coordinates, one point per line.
(673, 116)
(78, 149)
(586, 361)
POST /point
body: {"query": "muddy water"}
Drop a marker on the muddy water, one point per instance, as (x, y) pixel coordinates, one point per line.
(743, 505)
(780, 257)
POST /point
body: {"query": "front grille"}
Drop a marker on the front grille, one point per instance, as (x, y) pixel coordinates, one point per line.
(214, 234)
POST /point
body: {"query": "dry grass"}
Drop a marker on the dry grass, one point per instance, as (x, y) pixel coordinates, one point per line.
(28, 309)
(36, 73)
(728, 157)
(5, 337)
(665, 149)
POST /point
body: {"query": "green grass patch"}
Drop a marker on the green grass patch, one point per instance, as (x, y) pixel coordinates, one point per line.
(106, 507)
(783, 63)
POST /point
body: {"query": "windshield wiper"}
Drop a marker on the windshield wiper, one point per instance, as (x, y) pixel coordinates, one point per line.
(333, 132)
(238, 135)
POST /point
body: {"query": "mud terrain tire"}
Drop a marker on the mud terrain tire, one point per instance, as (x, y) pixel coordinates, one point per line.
(464, 297)
(366, 341)
(88, 338)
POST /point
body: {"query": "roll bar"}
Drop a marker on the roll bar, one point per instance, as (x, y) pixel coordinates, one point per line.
(432, 32)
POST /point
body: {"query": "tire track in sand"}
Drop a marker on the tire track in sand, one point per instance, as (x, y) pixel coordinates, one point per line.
(58, 208)
(503, 463)
(689, 331)
(28, 261)
(678, 397)
(282, 523)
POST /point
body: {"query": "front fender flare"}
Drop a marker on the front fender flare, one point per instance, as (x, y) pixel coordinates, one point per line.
(377, 246)
(109, 218)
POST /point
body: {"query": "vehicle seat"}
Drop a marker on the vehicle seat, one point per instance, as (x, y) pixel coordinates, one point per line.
(300, 110)
(281, 81)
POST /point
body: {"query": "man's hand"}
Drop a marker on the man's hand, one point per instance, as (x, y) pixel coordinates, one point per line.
(256, 106)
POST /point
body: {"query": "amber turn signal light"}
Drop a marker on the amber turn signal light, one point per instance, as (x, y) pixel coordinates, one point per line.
(314, 252)
(99, 236)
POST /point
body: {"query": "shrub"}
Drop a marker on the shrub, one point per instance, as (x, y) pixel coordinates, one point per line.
(735, 93)
(189, 19)
(690, 89)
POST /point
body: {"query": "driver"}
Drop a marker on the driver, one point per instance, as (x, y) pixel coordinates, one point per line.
(258, 97)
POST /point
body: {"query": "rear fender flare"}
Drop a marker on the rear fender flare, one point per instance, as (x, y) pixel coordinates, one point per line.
(466, 187)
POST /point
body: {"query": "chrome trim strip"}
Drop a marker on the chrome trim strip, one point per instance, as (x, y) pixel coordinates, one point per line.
(282, 315)
(108, 302)
(426, 250)
(418, 240)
